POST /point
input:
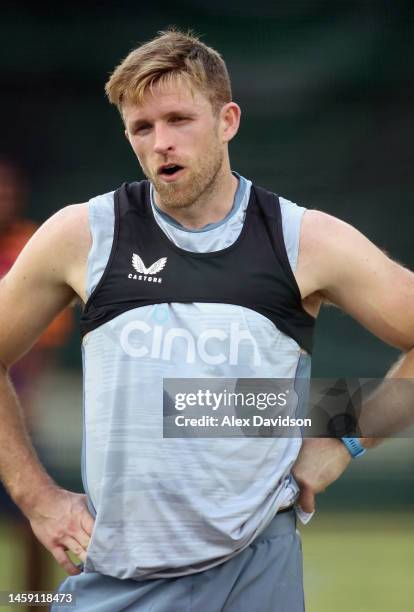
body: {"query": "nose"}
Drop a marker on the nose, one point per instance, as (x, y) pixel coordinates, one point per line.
(162, 139)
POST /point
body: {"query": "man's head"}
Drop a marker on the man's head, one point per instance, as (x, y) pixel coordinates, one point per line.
(174, 96)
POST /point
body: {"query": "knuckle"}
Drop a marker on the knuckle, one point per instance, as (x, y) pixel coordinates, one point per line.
(60, 532)
(72, 529)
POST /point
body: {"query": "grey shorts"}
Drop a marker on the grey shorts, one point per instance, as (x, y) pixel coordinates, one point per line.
(265, 576)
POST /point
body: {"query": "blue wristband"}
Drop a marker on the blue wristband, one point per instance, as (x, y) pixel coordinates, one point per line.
(354, 446)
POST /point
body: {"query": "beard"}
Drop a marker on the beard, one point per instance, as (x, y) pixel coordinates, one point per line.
(200, 180)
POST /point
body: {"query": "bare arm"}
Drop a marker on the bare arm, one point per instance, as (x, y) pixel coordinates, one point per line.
(343, 266)
(45, 278)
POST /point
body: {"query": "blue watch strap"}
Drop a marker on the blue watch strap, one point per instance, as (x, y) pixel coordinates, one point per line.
(354, 446)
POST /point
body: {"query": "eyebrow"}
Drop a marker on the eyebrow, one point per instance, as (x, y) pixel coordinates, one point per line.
(136, 123)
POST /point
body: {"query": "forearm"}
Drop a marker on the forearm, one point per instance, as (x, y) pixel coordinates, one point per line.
(60, 519)
(390, 410)
(20, 469)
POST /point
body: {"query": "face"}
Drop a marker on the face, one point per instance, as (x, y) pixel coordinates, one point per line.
(179, 142)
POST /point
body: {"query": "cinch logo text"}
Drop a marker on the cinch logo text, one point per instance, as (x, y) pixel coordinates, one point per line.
(139, 339)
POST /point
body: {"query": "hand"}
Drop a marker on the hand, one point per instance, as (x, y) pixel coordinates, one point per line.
(320, 462)
(61, 521)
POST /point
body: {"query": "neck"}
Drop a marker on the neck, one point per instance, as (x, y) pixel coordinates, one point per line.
(212, 206)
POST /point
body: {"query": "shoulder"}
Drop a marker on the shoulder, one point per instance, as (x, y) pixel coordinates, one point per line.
(71, 217)
(319, 226)
(326, 244)
(330, 248)
(66, 230)
(72, 222)
(56, 250)
(70, 227)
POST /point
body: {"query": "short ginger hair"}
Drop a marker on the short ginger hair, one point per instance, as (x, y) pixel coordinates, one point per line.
(170, 55)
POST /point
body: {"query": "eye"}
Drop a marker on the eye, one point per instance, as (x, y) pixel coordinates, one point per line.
(141, 129)
(178, 119)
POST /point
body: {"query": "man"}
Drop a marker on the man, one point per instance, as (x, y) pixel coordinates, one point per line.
(194, 273)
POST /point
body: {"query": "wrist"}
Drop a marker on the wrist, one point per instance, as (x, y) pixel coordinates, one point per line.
(370, 442)
(28, 497)
(326, 446)
(354, 446)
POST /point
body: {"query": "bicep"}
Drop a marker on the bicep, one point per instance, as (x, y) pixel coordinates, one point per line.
(354, 274)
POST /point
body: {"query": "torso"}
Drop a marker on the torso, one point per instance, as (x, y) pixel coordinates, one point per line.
(135, 346)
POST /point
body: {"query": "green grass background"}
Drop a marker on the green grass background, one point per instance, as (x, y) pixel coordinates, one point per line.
(353, 562)
(359, 562)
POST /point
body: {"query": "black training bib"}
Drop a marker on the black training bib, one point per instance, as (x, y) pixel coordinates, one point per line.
(146, 268)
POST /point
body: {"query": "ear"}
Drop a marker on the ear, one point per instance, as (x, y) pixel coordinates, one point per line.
(229, 120)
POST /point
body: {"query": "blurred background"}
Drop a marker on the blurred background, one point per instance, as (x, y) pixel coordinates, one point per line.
(327, 92)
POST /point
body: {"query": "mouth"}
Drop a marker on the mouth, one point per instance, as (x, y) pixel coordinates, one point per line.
(169, 172)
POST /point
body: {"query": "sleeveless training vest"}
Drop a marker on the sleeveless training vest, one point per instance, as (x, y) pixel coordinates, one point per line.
(146, 268)
(163, 306)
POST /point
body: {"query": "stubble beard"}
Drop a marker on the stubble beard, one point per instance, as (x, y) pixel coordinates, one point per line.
(197, 185)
